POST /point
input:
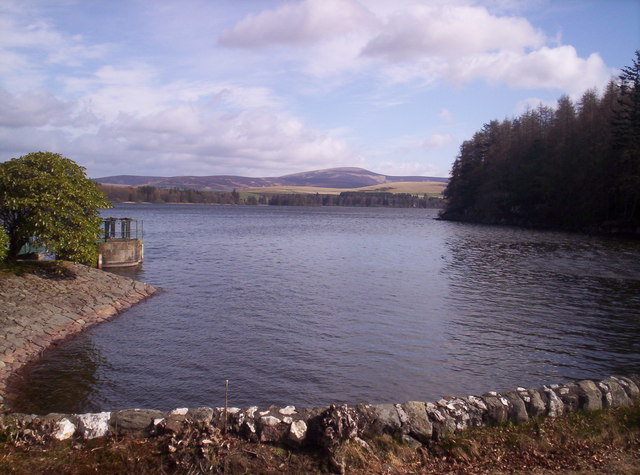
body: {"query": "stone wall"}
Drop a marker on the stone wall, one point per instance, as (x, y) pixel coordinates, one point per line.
(40, 310)
(414, 422)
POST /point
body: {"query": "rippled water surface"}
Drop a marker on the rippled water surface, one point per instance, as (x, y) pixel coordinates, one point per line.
(311, 306)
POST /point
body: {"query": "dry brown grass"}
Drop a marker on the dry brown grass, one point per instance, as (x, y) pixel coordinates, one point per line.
(413, 187)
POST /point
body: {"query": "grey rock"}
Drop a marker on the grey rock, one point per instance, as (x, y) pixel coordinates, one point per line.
(555, 406)
(376, 419)
(570, 395)
(459, 410)
(591, 397)
(297, 433)
(134, 422)
(200, 414)
(442, 423)
(629, 386)
(95, 425)
(64, 429)
(417, 423)
(635, 378)
(533, 402)
(517, 411)
(614, 394)
(497, 409)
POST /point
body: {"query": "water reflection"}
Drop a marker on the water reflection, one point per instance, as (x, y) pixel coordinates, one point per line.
(74, 365)
(531, 305)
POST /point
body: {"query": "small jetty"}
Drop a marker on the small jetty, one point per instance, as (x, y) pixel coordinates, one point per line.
(121, 243)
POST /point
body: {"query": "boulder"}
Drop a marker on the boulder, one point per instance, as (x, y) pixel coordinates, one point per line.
(555, 406)
(635, 378)
(417, 423)
(569, 394)
(517, 411)
(442, 423)
(134, 422)
(497, 409)
(376, 419)
(95, 425)
(629, 386)
(459, 410)
(533, 402)
(613, 393)
(337, 424)
(591, 397)
(201, 414)
(297, 433)
(64, 429)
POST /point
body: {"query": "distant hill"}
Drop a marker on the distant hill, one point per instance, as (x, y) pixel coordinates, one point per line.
(329, 178)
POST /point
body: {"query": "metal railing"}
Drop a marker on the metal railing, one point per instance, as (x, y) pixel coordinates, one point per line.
(121, 228)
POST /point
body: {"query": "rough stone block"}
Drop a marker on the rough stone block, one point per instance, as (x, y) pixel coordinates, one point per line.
(95, 425)
(591, 397)
(629, 386)
(442, 423)
(533, 402)
(555, 406)
(64, 429)
(569, 394)
(297, 433)
(417, 423)
(134, 422)
(497, 409)
(517, 412)
(614, 394)
(375, 419)
(200, 414)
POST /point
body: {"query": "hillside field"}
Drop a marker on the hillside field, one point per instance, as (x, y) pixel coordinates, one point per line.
(430, 188)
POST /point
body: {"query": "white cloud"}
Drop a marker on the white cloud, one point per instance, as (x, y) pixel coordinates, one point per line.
(412, 41)
(450, 30)
(446, 115)
(299, 23)
(557, 68)
(198, 137)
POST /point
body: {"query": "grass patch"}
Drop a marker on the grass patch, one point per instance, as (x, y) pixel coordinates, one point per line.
(56, 270)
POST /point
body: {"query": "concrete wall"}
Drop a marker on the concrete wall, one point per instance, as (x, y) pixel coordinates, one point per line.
(121, 252)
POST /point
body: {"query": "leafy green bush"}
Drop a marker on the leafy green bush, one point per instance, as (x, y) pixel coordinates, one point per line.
(4, 244)
(48, 200)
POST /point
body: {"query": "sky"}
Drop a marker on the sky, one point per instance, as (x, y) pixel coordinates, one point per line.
(272, 87)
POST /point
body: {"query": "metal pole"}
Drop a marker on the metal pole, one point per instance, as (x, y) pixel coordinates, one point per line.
(226, 403)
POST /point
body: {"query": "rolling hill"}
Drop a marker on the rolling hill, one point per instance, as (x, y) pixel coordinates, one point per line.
(342, 178)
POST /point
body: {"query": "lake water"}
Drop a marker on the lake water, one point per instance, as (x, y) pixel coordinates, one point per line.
(312, 306)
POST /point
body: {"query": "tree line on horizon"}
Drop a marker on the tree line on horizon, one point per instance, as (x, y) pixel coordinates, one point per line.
(151, 194)
(573, 167)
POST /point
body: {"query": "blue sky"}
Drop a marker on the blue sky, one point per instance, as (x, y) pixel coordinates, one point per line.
(268, 87)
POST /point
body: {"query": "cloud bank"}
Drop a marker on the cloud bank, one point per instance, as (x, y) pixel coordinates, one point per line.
(236, 105)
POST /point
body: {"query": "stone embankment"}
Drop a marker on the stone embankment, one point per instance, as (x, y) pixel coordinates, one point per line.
(39, 310)
(328, 427)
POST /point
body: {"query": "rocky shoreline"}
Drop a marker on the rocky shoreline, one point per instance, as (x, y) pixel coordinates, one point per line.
(40, 309)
